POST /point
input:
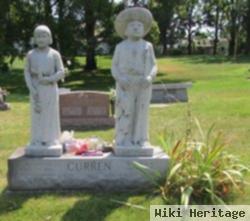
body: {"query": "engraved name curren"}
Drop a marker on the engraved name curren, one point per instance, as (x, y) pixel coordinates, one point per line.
(90, 165)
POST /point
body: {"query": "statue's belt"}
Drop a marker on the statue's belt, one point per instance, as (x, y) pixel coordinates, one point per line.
(43, 75)
(46, 75)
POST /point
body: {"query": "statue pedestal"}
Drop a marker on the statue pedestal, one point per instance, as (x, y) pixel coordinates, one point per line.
(52, 151)
(68, 172)
(135, 151)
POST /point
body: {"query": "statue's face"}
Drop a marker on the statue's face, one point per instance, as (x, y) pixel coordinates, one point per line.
(135, 29)
(42, 39)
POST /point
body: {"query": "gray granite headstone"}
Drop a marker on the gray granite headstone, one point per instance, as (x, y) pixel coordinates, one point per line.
(170, 93)
(3, 105)
(104, 173)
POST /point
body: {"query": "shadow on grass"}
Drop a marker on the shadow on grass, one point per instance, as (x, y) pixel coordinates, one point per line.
(100, 79)
(10, 202)
(96, 80)
(90, 206)
(77, 80)
(88, 128)
(162, 78)
(95, 208)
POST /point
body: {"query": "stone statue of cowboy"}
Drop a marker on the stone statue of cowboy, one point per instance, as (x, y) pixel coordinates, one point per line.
(134, 68)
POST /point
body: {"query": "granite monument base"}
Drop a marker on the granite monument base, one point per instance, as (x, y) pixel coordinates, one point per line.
(104, 173)
(134, 152)
(52, 151)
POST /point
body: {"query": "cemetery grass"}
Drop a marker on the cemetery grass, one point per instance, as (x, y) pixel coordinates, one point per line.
(220, 95)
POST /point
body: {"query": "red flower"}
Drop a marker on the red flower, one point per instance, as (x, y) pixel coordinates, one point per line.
(82, 149)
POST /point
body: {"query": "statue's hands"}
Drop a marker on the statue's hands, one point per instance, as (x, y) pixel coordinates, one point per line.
(37, 107)
(146, 81)
(45, 81)
(135, 72)
(124, 83)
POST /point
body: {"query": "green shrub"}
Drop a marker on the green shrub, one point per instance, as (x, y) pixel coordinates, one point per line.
(200, 172)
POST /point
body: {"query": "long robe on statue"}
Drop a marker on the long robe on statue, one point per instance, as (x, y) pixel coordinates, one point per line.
(45, 129)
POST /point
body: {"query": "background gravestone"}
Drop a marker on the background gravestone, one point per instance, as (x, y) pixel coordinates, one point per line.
(3, 105)
(170, 93)
(85, 109)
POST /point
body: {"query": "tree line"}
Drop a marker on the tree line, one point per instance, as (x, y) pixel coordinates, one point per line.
(78, 26)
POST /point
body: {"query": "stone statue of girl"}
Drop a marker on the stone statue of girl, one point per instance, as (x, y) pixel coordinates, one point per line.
(44, 68)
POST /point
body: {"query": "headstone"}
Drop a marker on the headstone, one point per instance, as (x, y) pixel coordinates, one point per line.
(3, 105)
(111, 171)
(85, 109)
(170, 93)
(103, 173)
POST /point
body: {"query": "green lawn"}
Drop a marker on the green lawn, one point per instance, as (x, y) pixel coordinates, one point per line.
(220, 95)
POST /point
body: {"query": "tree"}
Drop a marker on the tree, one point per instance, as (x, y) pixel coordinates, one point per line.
(90, 22)
(4, 14)
(16, 30)
(68, 29)
(235, 16)
(247, 27)
(163, 11)
(189, 13)
(94, 13)
(154, 34)
(215, 16)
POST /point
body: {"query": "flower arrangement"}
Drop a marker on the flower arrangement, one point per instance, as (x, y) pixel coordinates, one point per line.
(85, 147)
